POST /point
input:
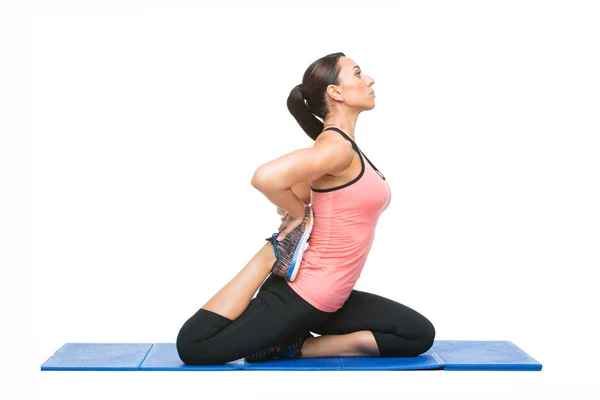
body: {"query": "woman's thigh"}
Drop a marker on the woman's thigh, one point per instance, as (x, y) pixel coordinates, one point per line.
(398, 330)
(275, 312)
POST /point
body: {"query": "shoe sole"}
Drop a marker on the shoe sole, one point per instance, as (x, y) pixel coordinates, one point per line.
(302, 246)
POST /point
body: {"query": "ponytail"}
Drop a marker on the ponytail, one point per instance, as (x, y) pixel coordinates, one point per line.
(307, 101)
(300, 110)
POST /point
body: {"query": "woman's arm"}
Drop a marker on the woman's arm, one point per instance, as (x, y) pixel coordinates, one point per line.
(302, 190)
(330, 154)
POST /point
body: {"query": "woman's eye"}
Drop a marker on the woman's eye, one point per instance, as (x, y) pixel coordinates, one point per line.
(358, 73)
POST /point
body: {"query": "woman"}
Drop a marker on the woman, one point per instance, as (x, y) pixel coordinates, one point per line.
(335, 198)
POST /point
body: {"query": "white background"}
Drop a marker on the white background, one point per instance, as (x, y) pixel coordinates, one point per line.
(133, 130)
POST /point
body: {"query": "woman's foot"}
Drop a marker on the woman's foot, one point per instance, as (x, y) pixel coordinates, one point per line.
(289, 251)
(289, 348)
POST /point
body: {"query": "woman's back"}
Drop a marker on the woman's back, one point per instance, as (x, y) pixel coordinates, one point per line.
(345, 220)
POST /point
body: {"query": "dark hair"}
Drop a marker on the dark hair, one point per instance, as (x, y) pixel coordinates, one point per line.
(317, 77)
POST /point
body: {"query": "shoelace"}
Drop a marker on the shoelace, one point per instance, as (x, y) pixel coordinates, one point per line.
(284, 245)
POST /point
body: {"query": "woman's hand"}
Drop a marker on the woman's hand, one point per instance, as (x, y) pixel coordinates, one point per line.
(289, 224)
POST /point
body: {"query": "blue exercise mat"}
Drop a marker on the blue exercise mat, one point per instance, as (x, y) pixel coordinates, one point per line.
(468, 355)
(425, 361)
(164, 357)
(98, 357)
(304, 364)
(453, 355)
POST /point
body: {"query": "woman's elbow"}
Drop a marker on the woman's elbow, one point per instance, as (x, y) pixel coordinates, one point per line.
(261, 180)
(257, 179)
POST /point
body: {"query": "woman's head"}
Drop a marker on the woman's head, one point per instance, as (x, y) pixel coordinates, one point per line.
(332, 85)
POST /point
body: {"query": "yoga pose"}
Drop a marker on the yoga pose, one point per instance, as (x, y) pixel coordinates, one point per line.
(305, 274)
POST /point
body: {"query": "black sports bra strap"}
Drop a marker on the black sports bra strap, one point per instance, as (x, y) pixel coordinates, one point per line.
(356, 147)
(374, 167)
(344, 135)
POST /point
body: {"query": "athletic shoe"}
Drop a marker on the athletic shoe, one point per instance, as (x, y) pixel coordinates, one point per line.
(289, 251)
(289, 348)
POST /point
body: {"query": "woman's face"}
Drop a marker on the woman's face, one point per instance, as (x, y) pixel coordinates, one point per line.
(355, 88)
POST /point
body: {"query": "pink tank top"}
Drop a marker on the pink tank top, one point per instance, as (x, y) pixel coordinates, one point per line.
(343, 231)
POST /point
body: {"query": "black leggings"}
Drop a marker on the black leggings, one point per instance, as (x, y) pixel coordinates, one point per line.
(277, 311)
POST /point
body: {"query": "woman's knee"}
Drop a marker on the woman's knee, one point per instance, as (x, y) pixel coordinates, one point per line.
(186, 349)
(200, 353)
(426, 337)
(195, 351)
(192, 340)
(402, 343)
(423, 337)
(185, 353)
